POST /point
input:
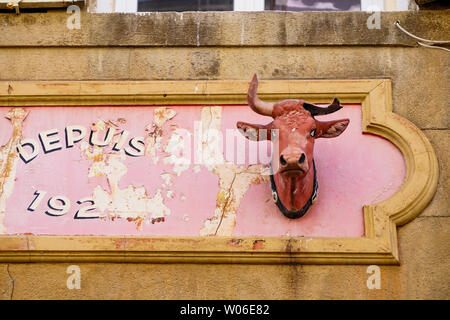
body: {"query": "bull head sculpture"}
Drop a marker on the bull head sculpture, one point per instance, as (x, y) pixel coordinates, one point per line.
(293, 132)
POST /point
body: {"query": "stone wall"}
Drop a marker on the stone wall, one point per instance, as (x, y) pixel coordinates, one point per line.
(277, 45)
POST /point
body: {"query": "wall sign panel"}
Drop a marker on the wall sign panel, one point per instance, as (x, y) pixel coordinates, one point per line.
(156, 171)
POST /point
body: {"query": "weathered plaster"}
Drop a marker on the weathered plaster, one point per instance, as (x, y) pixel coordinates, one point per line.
(176, 157)
(423, 274)
(131, 203)
(318, 45)
(234, 180)
(198, 29)
(155, 132)
(8, 161)
(167, 178)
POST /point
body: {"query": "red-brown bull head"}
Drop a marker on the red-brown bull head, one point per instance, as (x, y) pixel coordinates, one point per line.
(293, 132)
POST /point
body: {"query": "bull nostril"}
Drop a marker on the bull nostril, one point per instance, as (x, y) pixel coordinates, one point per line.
(283, 161)
(302, 158)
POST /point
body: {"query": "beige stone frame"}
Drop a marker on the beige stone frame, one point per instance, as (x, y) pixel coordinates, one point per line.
(378, 246)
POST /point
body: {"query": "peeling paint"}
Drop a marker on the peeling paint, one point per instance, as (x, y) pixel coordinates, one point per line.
(131, 203)
(258, 244)
(167, 178)
(161, 115)
(125, 186)
(177, 158)
(155, 131)
(170, 194)
(234, 181)
(8, 161)
(235, 242)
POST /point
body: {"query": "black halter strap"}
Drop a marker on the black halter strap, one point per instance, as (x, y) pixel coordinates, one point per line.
(283, 209)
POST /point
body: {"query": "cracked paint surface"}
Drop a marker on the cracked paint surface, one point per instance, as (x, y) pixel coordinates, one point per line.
(155, 132)
(233, 180)
(130, 203)
(176, 157)
(147, 187)
(8, 161)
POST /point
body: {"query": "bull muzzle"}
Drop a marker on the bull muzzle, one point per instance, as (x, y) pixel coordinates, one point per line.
(293, 164)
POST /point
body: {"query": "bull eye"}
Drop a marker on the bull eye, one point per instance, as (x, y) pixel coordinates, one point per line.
(313, 133)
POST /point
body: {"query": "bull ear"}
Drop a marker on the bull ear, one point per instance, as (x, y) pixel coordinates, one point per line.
(331, 129)
(254, 132)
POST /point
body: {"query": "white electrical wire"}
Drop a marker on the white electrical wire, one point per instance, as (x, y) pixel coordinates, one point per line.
(418, 38)
(432, 42)
(432, 47)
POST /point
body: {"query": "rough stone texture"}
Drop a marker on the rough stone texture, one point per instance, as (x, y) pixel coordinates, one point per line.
(423, 274)
(421, 68)
(425, 257)
(268, 28)
(440, 139)
(231, 45)
(6, 283)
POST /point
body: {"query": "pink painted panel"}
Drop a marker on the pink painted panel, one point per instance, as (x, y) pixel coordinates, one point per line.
(145, 195)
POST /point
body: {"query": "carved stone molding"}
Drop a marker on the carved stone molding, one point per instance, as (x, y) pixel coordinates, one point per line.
(378, 246)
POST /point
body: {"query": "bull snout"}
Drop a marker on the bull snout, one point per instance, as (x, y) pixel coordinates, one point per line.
(293, 163)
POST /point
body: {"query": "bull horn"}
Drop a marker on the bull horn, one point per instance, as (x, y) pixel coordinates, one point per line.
(319, 111)
(257, 105)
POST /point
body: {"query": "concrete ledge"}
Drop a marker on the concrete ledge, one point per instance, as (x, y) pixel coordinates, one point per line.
(239, 29)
